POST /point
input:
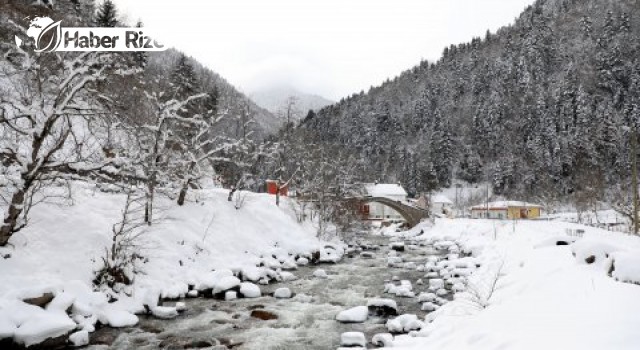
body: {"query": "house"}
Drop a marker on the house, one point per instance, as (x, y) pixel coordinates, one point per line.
(272, 188)
(441, 205)
(377, 211)
(506, 210)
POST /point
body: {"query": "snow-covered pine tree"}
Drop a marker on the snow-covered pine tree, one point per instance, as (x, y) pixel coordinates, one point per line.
(106, 15)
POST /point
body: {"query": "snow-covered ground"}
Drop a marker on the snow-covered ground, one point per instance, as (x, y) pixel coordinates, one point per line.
(62, 247)
(531, 293)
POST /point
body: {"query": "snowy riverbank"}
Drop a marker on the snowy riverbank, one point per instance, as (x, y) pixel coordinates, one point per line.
(540, 296)
(62, 247)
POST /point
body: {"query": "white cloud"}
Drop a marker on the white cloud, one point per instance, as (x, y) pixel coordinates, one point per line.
(329, 47)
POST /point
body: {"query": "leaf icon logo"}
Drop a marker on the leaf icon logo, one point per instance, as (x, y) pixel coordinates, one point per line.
(49, 38)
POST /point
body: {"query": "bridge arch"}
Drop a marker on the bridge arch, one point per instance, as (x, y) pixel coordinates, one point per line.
(411, 214)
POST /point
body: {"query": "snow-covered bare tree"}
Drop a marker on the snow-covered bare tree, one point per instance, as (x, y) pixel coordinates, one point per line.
(50, 123)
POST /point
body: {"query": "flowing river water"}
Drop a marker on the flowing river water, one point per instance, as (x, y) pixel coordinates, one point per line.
(306, 321)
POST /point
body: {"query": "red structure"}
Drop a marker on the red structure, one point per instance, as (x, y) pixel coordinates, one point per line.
(272, 188)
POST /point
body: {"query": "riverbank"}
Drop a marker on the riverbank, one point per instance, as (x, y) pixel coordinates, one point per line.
(57, 255)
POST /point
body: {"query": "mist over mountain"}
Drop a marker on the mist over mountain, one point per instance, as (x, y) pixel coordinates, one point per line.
(275, 99)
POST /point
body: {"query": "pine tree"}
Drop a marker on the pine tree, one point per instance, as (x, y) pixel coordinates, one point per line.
(140, 58)
(107, 15)
(183, 78)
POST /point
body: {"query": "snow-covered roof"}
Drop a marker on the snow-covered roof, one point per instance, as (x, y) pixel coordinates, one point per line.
(505, 205)
(385, 190)
(438, 198)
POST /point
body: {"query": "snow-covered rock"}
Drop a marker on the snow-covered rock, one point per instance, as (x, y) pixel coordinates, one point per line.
(117, 318)
(253, 273)
(209, 280)
(404, 324)
(289, 264)
(426, 297)
(383, 340)
(589, 251)
(230, 295)
(181, 306)
(225, 283)
(428, 306)
(320, 273)
(410, 265)
(164, 312)
(79, 338)
(357, 314)
(382, 307)
(46, 325)
(403, 292)
(285, 276)
(250, 290)
(282, 293)
(436, 283)
(351, 339)
(626, 266)
(302, 261)
(62, 302)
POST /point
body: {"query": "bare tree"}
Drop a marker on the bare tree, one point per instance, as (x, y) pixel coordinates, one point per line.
(120, 259)
(48, 104)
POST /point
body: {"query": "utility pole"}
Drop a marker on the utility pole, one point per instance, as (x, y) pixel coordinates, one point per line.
(634, 176)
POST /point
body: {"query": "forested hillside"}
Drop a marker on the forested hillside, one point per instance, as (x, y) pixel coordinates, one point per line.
(543, 108)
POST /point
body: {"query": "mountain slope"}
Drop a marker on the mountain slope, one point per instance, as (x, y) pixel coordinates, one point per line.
(538, 108)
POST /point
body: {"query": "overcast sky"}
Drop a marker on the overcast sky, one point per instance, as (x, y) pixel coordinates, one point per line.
(331, 48)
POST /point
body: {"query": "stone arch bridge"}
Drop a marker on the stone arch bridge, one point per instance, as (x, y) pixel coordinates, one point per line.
(412, 214)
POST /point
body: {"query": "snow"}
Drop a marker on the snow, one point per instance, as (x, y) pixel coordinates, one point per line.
(165, 312)
(250, 290)
(79, 338)
(357, 314)
(428, 306)
(230, 295)
(378, 302)
(393, 191)
(626, 266)
(117, 318)
(42, 327)
(320, 273)
(545, 298)
(352, 339)
(282, 293)
(404, 324)
(181, 306)
(598, 249)
(200, 244)
(425, 297)
(225, 283)
(438, 198)
(383, 340)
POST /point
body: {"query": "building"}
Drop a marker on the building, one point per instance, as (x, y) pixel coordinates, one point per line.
(510, 210)
(441, 205)
(438, 204)
(377, 211)
(272, 188)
